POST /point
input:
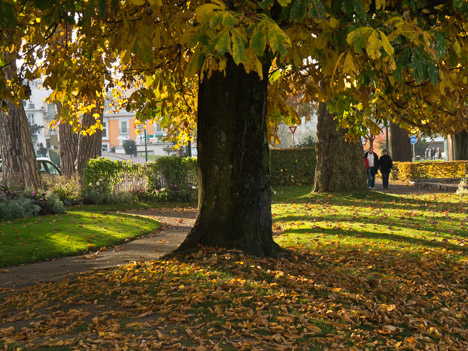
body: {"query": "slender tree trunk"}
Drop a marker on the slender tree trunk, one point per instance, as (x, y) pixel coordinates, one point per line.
(461, 145)
(89, 146)
(400, 144)
(19, 166)
(340, 164)
(68, 141)
(234, 208)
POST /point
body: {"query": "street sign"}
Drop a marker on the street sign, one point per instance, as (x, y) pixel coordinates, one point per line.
(293, 129)
(413, 139)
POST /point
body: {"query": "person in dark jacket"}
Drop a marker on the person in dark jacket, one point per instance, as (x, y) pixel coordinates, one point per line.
(372, 164)
(386, 165)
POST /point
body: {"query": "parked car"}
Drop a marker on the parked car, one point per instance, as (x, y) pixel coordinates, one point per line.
(46, 166)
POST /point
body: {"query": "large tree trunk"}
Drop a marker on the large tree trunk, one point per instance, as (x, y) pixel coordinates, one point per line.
(461, 145)
(89, 146)
(68, 142)
(340, 164)
(400, 144)
(19, 166)
(234, 208)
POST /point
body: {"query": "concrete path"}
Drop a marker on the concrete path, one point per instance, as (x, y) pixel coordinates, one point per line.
(175, 227)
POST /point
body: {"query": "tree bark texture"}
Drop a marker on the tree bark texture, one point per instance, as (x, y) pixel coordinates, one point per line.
(461, 145)
(68, 141)
(234, 209)
(19, 166)
(400, 144)
(340, 164)
(89, 146)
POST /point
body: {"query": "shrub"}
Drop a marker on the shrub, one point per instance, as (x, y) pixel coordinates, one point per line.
(292, 166)
(463, 187)
(17, 204)
(422, 170)
(48, 202)
(18, 208)
(68, 189)
(97, 196)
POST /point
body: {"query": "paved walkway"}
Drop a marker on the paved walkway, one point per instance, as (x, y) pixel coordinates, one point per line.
(175, 226)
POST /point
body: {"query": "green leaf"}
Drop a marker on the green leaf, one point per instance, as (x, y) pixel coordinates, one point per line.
(266, 3)
(258, 40)
(440, 45)
(224, 18)
(298, 10)
(433, 73)
(239, 43)
(222, 42)
(278, 39)
(195, 64)
(317, 10)
(359, 38)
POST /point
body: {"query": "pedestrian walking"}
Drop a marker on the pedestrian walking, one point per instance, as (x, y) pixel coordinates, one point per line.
(372, 164)
(386, 165)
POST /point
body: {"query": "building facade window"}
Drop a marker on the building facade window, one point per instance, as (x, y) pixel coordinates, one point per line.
(51, 111)
(123, 127)
(31, 118)
(104, 129)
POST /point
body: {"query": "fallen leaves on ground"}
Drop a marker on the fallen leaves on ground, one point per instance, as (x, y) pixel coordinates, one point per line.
(226, 300)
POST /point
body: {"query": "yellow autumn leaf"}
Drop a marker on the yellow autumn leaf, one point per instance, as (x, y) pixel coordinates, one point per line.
(386, 44)
(373, 45)
(379, 4)
(138, 2)
(333, 22)
(205, 9)
(348, 65)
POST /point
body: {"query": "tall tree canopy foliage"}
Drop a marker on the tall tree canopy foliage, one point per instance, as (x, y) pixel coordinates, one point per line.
(365, 58)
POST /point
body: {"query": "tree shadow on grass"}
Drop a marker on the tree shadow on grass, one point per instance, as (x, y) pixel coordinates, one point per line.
(378, 200)
(416, 223)
(378, 236)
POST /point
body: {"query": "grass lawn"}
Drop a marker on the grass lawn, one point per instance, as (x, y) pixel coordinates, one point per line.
(80, 229)
(368, 271)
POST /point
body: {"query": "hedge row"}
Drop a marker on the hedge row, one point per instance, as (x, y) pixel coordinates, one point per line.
(292, 166)
(116, 176)
(422, 170)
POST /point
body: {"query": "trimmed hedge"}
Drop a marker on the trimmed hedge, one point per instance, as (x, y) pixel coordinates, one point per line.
(292, 166)
(424, 170)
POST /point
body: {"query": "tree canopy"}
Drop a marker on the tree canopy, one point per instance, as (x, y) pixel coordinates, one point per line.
(401, 60)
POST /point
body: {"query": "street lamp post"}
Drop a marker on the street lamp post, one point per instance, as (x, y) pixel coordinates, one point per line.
(146, 148)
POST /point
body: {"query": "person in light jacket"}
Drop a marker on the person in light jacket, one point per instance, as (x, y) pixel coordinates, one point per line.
(386, 165)
(372, 164)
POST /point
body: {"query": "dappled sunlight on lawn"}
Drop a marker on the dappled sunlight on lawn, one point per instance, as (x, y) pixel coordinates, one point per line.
(72, 233)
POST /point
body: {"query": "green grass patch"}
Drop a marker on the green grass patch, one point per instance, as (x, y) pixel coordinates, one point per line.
(80, 229)
(409, 224)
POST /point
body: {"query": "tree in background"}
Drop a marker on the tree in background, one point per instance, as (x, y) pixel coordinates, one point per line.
(400, 144)
(19, 166)
(340, 166)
